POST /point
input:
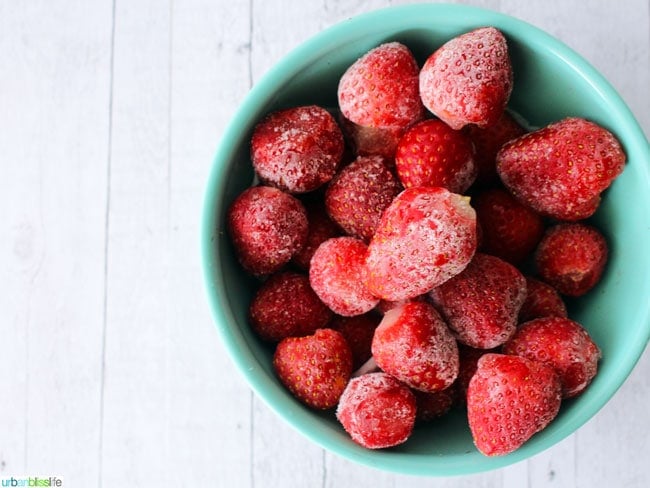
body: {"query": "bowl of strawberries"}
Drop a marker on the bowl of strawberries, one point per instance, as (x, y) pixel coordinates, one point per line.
(424, 240)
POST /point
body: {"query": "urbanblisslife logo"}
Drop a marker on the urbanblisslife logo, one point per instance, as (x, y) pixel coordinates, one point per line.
(32, 481)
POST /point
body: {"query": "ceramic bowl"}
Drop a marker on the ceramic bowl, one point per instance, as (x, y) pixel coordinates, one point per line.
(550, 82)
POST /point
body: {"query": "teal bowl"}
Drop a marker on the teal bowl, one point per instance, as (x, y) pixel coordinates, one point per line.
(551, 82)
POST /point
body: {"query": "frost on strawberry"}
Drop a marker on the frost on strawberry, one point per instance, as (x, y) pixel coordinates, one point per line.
(572, 257)
(377, 411)
(426, 236)
(413, 344)
(297, 149)
(380, 89)
(481, 304)
(468, 80)
(561, 170)
(564, 345)
(267, 227)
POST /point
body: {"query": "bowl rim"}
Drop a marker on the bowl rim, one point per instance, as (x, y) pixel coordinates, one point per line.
(278, 75)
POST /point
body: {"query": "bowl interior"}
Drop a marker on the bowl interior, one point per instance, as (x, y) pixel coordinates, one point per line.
(551, 82)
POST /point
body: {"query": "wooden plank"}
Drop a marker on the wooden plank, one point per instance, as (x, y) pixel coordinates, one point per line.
(54, 99)
(210, 422)
(136, 447)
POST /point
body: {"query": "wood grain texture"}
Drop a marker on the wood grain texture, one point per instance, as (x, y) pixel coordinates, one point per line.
(113, 374)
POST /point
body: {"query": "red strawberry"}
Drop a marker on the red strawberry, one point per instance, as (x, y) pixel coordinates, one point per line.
(509, 230)
(426, 236)
(380, 89)
(358, 332)
(297, 149)
(359, 194)
(315, 368)
(267, 227)
(321, 228)
(561, 169)
(433, 154)
(337, 275)
(487, 142)
(571, 258)
(285, 305)
(467, 363)
(377, 411)
(481, 304)
(542, 300)
(562, 344)
(469, 79)
(433, 405)
(509, 399)
(372, 141)
(413, 344)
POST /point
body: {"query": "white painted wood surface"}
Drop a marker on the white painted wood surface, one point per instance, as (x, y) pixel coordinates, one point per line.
(112, 372)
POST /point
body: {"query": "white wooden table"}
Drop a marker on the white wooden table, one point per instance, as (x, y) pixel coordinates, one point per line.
(112, 373)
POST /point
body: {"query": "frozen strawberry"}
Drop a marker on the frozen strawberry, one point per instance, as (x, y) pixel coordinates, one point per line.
(426, 236)
(413, 344)
(430, 406)
(481, 304)
(377, 411)
(372, 141)
(469, 79)
(297, 149)
(571, 258)
(510, 398)
(315, 368)
(467, 363)
(267, 227)
(433, 154)
(337, 275)
(359, 194)
(285, 305)
(380, 89)
(562, 344)
(321, 228)
(542, 300)
(487, 142)
(561, 169)
(358, 332)
(510, 230)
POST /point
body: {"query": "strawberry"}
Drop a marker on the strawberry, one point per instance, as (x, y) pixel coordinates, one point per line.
(487, 142)
(320, 228)
(571, 257)
(562, 344)
(431, 153)
(481, 304)
(297, 149)
(285, 305)
(561, 169)
(468, 80)
(542, 300)
(359, 194)
(267, 227)
(315, 368)
(380, 89)
(413, 344)
(377, 411)
(424, 237)
(337, 275)
(430, 406)
(372, 141)
(509, 230)
(509, 399)
(358, 332)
